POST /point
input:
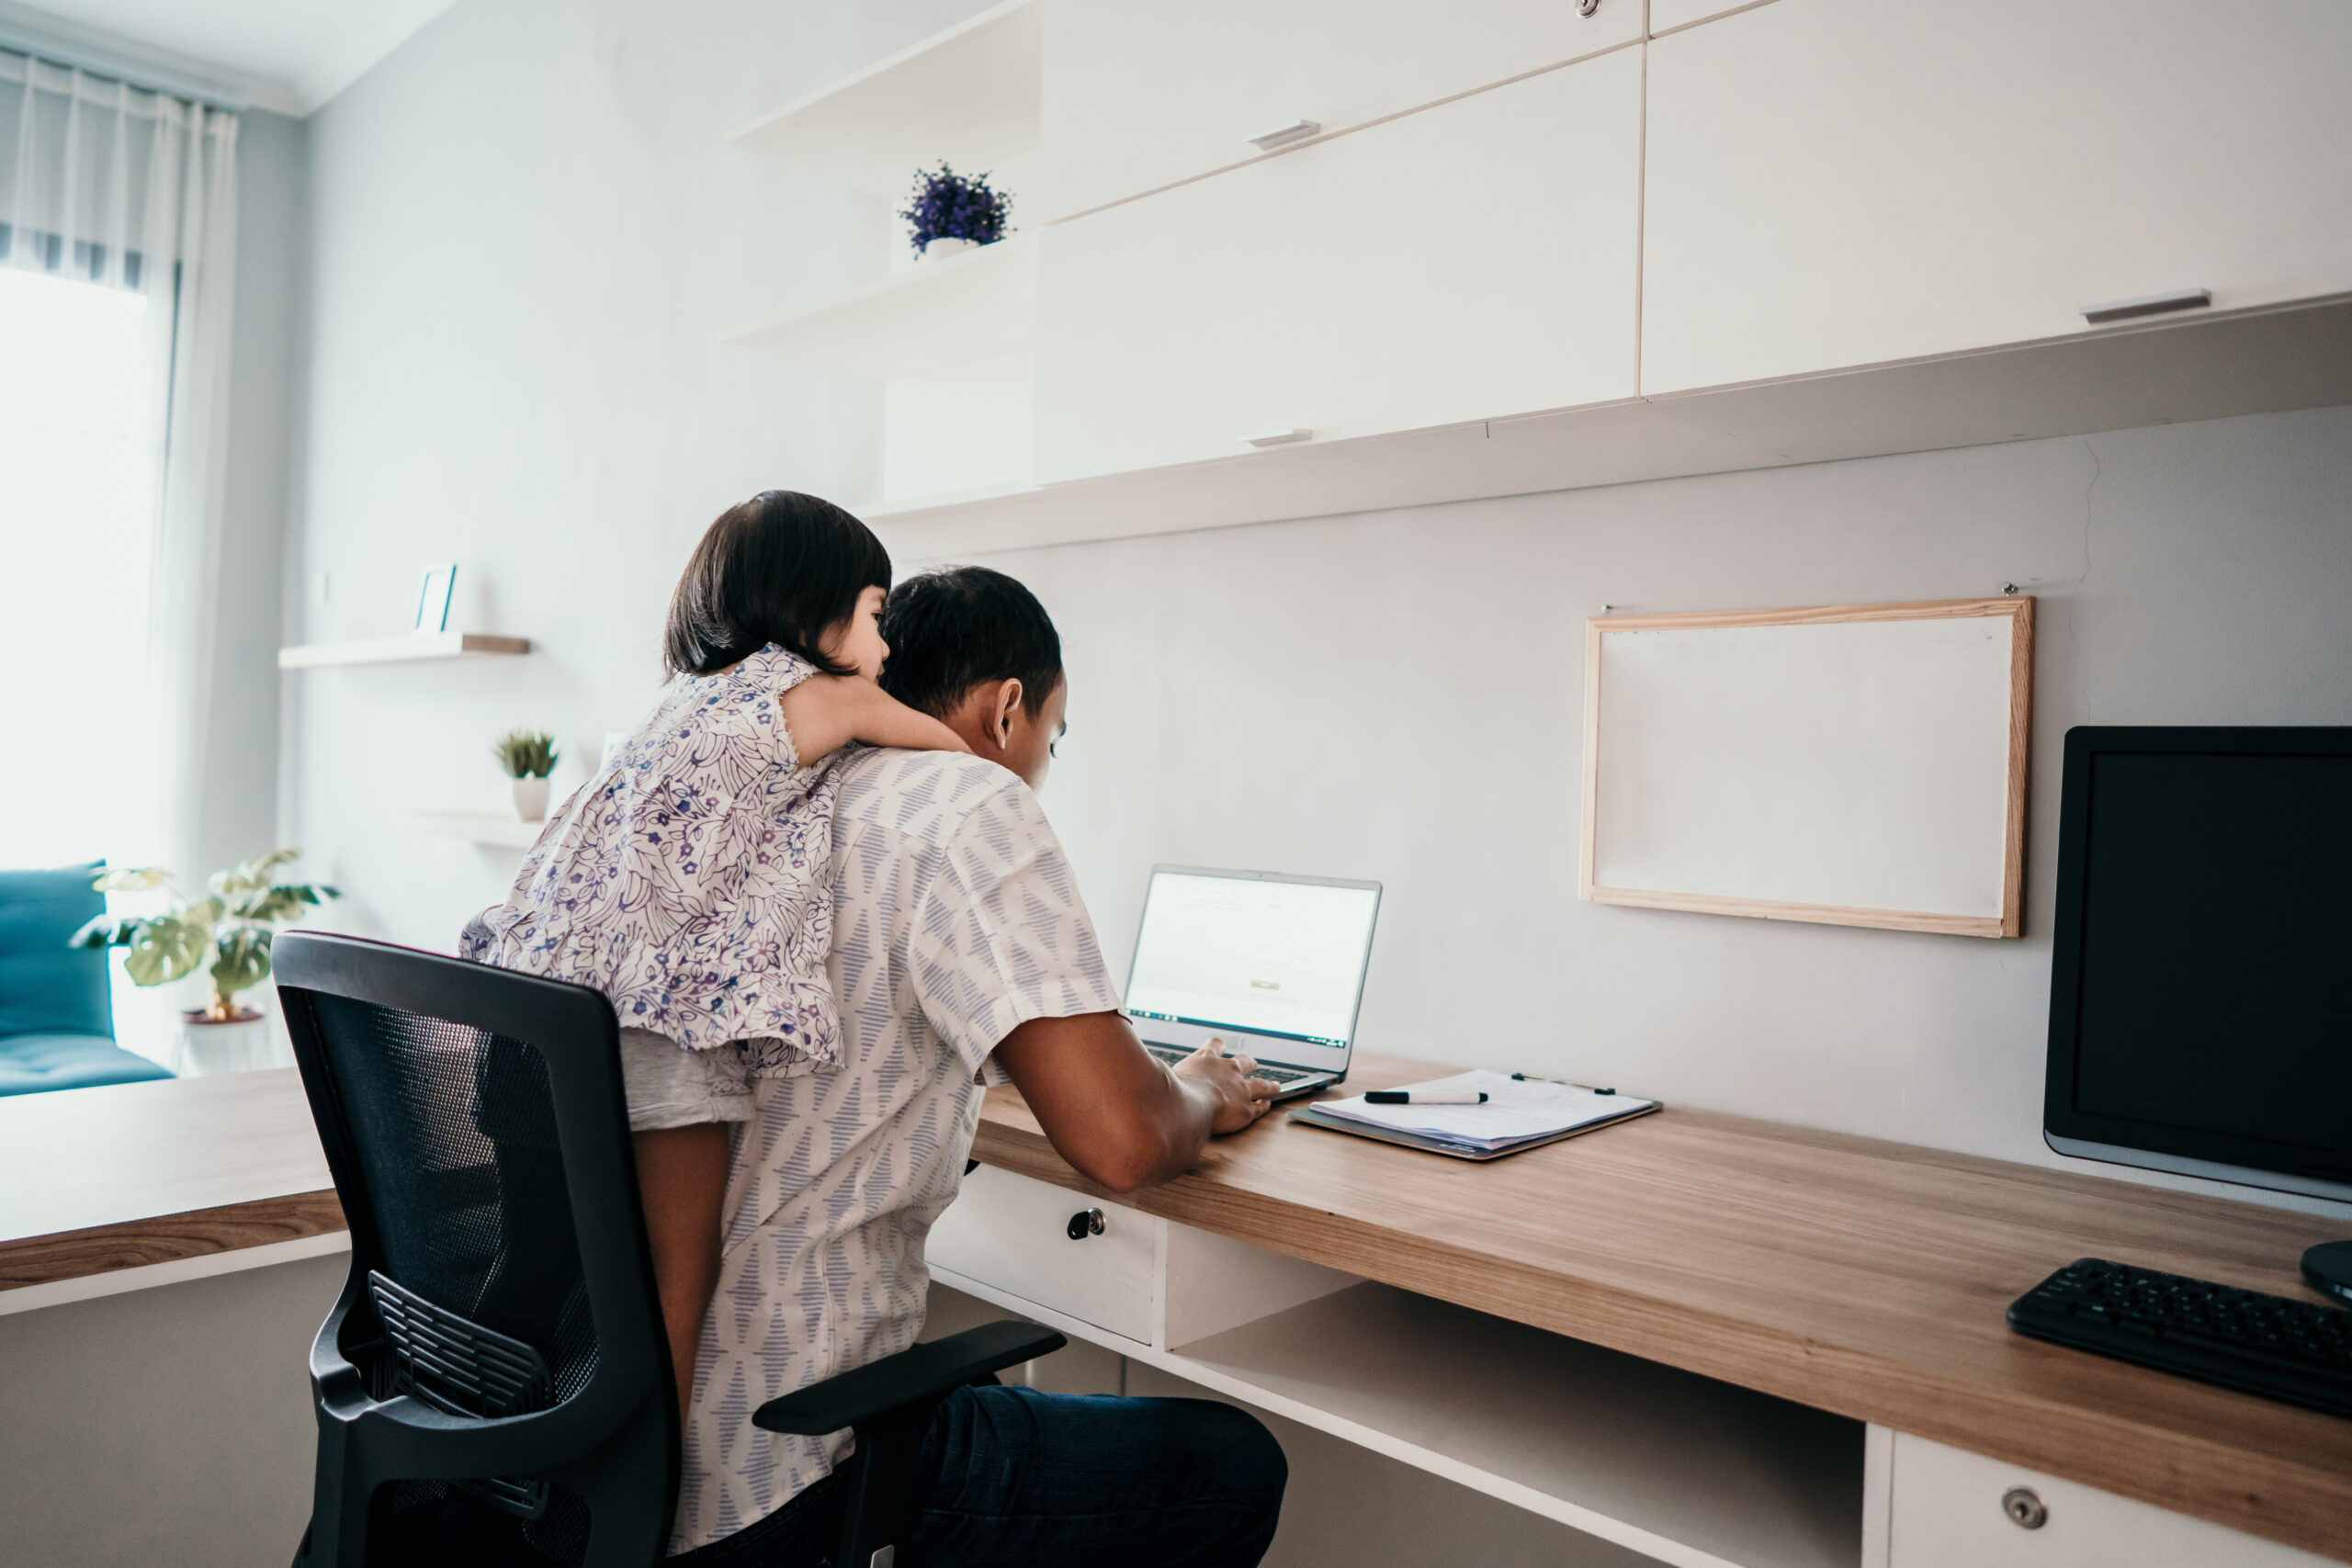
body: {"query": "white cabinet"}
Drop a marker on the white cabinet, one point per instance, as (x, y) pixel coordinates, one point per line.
(1140, 94)
(1952, 1510)
(1018, 1235)
(1838, 183)
(1471, 261)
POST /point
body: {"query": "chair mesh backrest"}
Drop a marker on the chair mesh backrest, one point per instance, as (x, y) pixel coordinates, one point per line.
(455, 1136)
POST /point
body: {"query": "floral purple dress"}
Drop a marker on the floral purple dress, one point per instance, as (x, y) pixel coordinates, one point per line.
(690, 880)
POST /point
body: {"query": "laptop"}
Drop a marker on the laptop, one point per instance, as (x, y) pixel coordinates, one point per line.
(1273, 964)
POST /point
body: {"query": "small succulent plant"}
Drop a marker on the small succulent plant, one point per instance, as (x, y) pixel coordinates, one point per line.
(233, 925)
(525, 753)
(949, 205)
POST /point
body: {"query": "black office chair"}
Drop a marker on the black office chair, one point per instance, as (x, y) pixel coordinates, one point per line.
(495, 1385)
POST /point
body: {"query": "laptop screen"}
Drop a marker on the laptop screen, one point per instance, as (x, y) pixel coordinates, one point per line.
(1246, 953)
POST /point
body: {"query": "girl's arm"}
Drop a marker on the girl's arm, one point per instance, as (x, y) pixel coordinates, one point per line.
(681, 1178)
(825, 712)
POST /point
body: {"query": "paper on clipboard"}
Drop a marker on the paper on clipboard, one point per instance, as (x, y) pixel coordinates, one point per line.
(1515, 1110)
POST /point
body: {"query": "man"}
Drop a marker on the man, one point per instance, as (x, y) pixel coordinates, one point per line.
(962, 956)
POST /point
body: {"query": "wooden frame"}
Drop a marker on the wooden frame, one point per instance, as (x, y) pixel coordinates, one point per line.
(2018, 609)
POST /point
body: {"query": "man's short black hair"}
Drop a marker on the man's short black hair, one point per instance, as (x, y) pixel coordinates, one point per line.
(952, 629)
(781, 568)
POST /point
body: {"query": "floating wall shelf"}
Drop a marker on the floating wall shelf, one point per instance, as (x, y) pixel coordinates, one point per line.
(400, 649)
(476, 828)
(980, 305)
(968, 94)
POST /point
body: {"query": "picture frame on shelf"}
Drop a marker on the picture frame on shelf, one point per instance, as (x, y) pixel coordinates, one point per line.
(433, 597)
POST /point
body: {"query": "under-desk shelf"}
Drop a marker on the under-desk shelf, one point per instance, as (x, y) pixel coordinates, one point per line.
(400, 649)
(968, 95)
(980, 305)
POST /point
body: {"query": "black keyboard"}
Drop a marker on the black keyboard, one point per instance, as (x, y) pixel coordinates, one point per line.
(2273, 1345)
(1283, 1077)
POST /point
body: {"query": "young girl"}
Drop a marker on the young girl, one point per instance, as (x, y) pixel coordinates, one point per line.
(689, 880)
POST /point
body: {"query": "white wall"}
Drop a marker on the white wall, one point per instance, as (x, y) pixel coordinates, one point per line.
(530, 241)
(1399, 697)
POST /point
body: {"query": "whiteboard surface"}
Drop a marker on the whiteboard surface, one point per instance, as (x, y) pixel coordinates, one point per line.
(1860, 764)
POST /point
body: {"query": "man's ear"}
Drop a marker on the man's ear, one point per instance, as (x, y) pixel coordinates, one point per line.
(1008, 697)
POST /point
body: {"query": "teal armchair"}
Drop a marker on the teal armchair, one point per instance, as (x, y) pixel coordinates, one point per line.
(56, 1021)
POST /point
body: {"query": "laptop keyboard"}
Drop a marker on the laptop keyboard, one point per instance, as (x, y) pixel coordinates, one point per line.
(1281, 1076)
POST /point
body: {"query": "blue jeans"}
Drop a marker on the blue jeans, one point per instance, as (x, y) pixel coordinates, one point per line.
(1013, 1478)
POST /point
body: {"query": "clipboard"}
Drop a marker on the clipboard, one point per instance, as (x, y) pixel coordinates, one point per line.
(1308, 1116)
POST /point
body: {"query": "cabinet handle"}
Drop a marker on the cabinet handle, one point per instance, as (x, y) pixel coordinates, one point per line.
(1278, 437)
(1586, 7)
(2154, 305)
(1284, 135)
(2026, 1510)
(1084, 1224)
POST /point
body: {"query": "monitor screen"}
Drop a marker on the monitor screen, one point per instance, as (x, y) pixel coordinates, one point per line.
(1261, 954)
(2201, 987)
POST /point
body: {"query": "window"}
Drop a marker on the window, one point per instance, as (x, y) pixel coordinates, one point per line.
(80, 446)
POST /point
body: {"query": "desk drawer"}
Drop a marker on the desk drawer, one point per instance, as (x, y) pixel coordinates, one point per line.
(1950, 1511)
(1013, 1233)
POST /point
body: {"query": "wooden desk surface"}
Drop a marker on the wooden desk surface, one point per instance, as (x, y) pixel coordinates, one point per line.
(1861, 1277)
(95, 1179)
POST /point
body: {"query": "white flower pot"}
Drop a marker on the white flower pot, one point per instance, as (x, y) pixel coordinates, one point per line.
(531, 799)
(941, 248)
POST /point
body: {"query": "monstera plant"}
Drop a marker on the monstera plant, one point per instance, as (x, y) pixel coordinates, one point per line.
(232, 925)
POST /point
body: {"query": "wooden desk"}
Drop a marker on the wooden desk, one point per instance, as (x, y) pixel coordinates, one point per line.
(93, 1180)
(1862, 1278)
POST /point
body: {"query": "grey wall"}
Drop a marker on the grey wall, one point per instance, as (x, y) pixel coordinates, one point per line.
(530, 242)
(240, 782)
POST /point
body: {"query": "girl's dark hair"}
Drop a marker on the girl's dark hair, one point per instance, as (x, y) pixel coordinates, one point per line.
(781, 568)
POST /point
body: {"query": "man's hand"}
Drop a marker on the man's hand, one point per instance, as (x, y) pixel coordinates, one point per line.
(1241, 1096)
(1111, 1110)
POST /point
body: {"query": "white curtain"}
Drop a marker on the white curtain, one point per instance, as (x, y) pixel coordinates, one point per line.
(108, 184)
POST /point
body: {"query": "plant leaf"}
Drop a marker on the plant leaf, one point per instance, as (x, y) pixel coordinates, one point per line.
(107, 931)
(243, 960)
(167, 949)
(281, 903)
(131, 879)
(248, 875)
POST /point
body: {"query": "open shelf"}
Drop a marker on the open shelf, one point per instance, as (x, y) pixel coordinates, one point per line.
(400, 649)
(476, 828)
(936, 314)
(1675, 1466)
(968, 95)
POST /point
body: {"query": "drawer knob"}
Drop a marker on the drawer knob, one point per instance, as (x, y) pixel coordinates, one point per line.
(1084, 1224)
(2025, 1509)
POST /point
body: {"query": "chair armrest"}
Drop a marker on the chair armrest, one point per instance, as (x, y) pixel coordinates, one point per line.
(917, 1373)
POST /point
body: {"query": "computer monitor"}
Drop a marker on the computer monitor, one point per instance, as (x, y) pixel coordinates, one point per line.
(1273, 964)
(2201, 998)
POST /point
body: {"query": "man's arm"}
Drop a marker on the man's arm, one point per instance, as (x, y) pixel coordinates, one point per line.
(1113, 1111)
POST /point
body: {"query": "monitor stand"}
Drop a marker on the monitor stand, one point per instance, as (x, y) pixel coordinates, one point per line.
(2327, 1269)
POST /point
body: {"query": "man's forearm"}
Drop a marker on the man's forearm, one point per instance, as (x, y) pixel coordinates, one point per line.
(1109, 1107)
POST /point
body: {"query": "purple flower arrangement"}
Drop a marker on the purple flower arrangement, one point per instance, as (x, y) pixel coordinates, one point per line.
(949, 205)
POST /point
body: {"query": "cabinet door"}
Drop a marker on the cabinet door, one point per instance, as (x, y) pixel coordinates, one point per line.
(1951, 1509)
(1845, 182)
(1140, 94)
(1468, 261)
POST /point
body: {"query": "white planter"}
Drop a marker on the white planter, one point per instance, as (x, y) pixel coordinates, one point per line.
(939, 249)
(531, 799)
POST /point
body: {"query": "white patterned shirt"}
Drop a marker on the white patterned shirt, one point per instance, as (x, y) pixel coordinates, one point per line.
(955, 918)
